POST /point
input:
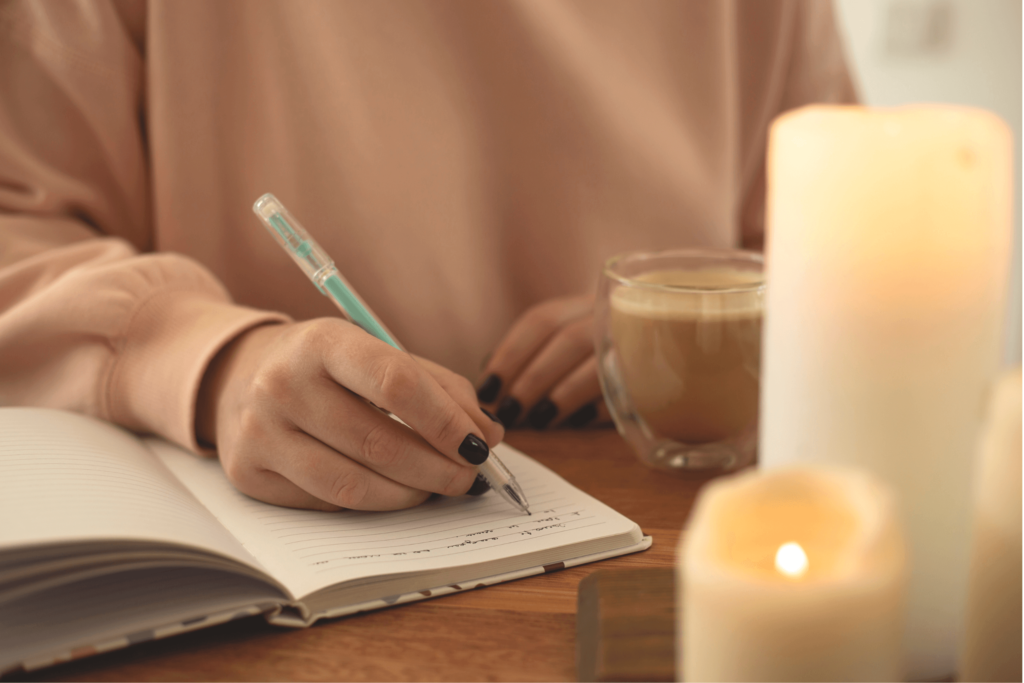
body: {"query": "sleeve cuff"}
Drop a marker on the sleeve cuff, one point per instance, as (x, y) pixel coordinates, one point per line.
(167, 347)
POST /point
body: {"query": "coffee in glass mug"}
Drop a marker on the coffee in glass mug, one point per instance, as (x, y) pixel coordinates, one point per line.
(679, 348)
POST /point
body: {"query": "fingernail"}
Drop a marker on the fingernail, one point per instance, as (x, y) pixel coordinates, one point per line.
(488, 391)
(508, 411)
(479, 487)
(582, 416)
(474, 450)
(490, 415)
(542, 414)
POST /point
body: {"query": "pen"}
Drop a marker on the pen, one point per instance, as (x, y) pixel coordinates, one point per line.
(319, 267)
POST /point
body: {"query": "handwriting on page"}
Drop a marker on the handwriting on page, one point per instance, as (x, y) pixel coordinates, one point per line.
(308, 551)
(439, 528)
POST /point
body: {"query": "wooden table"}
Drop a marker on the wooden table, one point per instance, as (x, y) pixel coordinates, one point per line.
(519, 631)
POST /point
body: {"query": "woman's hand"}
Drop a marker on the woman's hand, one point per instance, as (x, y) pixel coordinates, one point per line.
(544, 372)
(285, 406)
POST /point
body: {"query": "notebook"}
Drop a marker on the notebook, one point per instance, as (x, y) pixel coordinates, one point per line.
(107, 540)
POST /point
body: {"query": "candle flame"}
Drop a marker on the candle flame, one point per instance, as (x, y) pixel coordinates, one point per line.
(791, 560)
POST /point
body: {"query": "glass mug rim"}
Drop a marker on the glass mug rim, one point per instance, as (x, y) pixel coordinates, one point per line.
(711, 254)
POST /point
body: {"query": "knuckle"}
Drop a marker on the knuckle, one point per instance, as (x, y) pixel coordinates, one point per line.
(247, 486)
(273, 381)
(239, 471)
(240, 455)
(233, 469)
(530, 380)
(544, 316)
(317, 332)
(463, 387)
(349, 488)
(252, 426)
(448, 428)
(581, 339)
(310, 340)
(397, 379)
(457, 386)
(381, 446)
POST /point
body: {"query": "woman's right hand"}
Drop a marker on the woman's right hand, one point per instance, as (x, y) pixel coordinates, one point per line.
(284, 405)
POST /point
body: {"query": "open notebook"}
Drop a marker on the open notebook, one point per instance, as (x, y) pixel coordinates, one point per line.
(108, 540)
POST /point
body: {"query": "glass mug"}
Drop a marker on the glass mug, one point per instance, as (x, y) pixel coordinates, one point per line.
(678, 341)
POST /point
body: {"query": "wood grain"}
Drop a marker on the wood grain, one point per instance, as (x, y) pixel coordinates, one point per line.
(519, 631)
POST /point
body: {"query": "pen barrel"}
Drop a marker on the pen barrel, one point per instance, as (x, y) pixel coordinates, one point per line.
(334, 286)
(496, 468)
(288, 232)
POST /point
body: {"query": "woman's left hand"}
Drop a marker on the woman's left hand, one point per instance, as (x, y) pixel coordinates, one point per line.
(544, 372)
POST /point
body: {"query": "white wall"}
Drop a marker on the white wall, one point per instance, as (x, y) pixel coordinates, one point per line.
(962, 51)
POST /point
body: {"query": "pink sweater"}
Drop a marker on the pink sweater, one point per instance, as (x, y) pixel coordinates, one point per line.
(460, 160)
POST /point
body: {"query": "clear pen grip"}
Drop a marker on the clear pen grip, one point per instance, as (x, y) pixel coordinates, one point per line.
(498, 468)
(290, 234)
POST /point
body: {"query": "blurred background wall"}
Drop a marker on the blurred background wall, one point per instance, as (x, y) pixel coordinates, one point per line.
(961, 51)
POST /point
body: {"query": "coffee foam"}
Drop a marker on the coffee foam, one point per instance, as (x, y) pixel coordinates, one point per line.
(706, 295)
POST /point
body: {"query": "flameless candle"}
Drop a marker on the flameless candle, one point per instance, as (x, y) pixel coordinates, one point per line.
(992, 639)
(888, 242)
(793, 575)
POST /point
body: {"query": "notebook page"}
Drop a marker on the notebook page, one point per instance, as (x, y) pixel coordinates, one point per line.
(137, 606)
(65, 477)
(307, 550)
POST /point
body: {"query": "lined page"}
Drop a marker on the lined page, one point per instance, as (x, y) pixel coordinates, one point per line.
(307, 550)
(65, 477)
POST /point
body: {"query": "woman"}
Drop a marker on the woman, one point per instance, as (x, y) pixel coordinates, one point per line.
(468, 165)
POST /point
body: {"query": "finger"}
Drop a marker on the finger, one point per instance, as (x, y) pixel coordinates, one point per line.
(369, 437)
(566, 349)
(323, 472)
(575, 390)
(459, 388)
(527, 336)
(593, 414)
(393, 380)
(479, 487)
(273, 462)
(271, 487)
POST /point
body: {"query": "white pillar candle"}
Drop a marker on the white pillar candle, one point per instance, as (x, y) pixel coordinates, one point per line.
(992, 638)
(793, 575)
(887, 251)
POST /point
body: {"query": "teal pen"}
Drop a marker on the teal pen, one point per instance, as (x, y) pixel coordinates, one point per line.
(319, 268)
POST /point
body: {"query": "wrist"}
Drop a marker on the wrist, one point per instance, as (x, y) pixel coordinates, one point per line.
(224, 374)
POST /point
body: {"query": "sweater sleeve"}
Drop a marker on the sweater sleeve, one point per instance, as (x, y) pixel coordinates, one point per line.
(88, 321)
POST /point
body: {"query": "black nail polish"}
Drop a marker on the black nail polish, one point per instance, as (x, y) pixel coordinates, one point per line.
(509, 410)
(582, 417)
(490, 415)
(489, 390)
(479, 487)
(474, 450)
(542, 414)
